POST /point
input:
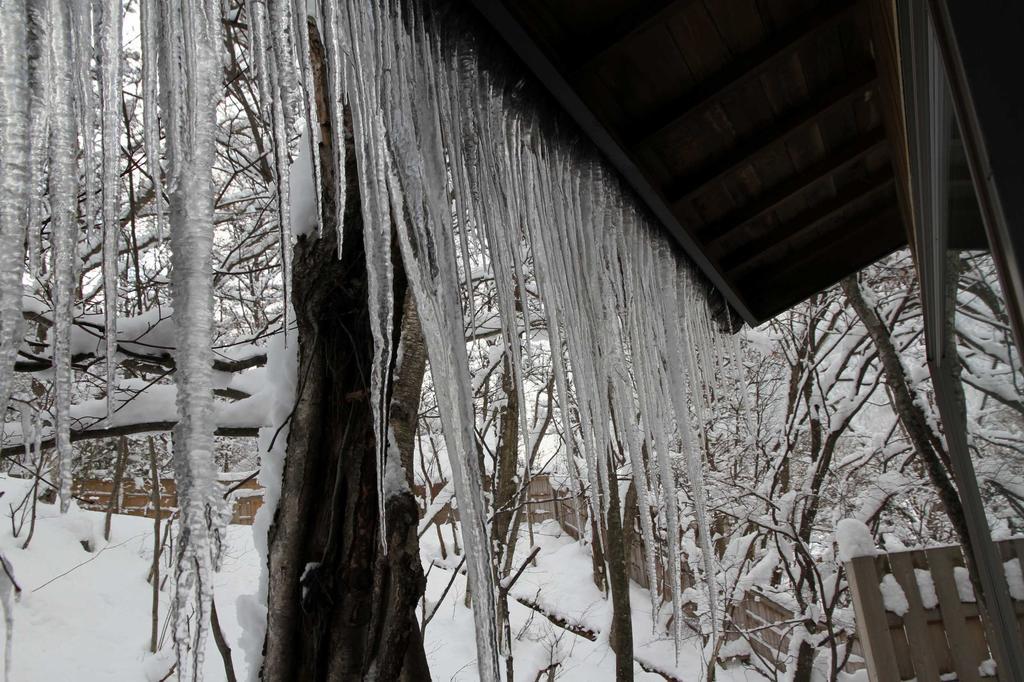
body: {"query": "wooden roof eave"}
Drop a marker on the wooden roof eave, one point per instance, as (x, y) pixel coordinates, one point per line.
(498, 16)
(886, 45)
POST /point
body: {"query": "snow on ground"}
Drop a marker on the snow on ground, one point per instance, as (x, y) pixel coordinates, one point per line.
(86, 615)
(562, 586)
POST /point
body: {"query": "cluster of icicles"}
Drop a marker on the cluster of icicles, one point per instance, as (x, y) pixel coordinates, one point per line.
(447, 151)
(52, 52)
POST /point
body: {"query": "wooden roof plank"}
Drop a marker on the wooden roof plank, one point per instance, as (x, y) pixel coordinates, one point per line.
(850, 152)
(777, 133)
(648, 15)
(746, 67)
(743, 259)
(824, 263)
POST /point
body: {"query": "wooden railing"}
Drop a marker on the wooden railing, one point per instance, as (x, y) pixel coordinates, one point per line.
(917, 617)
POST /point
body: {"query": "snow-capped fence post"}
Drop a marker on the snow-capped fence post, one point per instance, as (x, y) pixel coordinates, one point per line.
(917, 616)
(872, 621)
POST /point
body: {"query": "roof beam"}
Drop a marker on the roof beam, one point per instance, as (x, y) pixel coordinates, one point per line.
(856, 149)
(648, 15)
(776, 133)
(759, 250)
(747, 67)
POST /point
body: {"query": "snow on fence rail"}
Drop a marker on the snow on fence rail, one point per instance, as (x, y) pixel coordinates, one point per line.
(135, 496)
(917, 617)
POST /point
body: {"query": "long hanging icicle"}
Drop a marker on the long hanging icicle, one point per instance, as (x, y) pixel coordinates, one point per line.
(63, 225)
(40, 94)
(437, 135)
(283, 101)
(679, 370)
(149, 18)
(650, 389)
(110, 90)
(85, 101)
(369, 126)
(418, 182)
(191, 78)
(15, 180)
(312, 132)
(336, 68)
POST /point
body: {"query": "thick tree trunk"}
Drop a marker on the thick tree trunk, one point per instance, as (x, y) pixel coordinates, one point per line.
(339, 607)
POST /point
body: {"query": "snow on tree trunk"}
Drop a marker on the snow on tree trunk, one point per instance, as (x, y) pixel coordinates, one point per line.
(191, 84)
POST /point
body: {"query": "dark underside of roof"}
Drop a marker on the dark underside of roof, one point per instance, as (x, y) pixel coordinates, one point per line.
(760, 132)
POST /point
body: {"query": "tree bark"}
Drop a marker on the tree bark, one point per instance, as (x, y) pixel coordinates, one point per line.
(506, 466)
(621, 636)
(339, 608)
(926, 443)
(154, 474)
(504, 530)
(115, 491)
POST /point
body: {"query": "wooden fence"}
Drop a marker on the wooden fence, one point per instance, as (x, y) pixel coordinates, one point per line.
(135, 497)
(766, 627)
(917, 617)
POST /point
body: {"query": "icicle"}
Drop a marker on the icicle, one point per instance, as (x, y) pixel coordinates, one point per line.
(740, 380)
(272, 45)
(288, 87)
(428, 255)
(500, 228)
(275, 80)
(110, 87)
(40, 93)
(336, 67)
(434, 130)
(368, 62)
(85, 101)
(312, 137)
(634, 448)
(450, 122)
(15, 183)
(649, 383)
(191, 44)
(679, 370)
(150, 24)
(63, 225)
